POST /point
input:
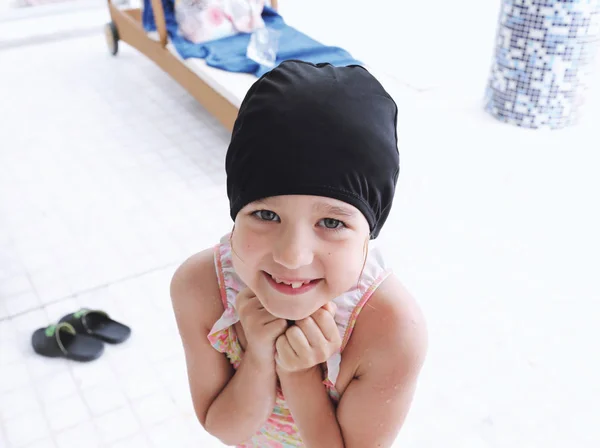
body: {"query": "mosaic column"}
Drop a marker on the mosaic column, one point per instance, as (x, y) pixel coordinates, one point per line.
(544, 56)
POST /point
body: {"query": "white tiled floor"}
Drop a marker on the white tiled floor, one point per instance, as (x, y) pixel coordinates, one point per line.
(110, 174)
(108, 178)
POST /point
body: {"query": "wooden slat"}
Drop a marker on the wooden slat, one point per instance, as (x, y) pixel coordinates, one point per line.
(132, 32)
(159, 19)
(134, 13)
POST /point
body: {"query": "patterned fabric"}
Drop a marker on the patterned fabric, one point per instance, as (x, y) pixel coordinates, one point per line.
(205, 20)
(544, 56)
(280, 431)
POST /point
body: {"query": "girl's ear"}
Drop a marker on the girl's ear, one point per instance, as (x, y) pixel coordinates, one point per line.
(365, 255)
(231, 243)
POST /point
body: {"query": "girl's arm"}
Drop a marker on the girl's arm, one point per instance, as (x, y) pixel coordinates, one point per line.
(311, 407)
(390, 342)
(231, 405)
(388, 345)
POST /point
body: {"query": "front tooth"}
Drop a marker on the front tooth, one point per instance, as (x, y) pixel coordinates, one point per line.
(277, 280)
(296, 284)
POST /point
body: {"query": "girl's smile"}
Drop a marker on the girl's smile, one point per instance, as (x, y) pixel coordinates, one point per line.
(292, 286)
(309, 248)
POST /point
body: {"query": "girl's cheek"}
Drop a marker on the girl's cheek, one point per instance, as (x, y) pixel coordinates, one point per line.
(250, 245)
(251, 242)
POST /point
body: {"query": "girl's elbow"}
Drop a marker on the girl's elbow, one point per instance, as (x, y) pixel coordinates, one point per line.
(221, 430)
(227, 438)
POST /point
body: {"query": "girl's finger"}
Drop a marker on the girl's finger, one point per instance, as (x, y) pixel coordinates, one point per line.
(265, 316)
(297, 341)
(327, 325)
(311, 331)
(243, 298)
(331, 307)
(285, 353)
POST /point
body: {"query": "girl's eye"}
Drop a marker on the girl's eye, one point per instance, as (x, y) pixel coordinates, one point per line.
(333, 224)
(266, 215)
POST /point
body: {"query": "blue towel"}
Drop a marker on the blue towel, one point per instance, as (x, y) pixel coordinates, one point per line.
(229, 53)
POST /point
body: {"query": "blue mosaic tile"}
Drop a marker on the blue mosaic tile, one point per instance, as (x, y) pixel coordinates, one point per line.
(544, 55)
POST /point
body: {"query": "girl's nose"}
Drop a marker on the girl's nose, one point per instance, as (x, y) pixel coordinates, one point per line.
(293, 249)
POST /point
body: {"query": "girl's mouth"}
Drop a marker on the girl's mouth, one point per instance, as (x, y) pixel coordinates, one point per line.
(291, 286)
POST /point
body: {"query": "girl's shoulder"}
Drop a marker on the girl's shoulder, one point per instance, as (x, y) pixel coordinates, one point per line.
(391, 325)
(195, 289)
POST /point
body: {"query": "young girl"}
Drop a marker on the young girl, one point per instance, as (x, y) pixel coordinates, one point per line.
(295, 333)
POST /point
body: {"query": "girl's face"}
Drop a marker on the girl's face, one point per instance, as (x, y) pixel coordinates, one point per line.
(296, 253)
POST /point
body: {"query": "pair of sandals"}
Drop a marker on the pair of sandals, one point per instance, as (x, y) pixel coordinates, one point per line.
(79, 336)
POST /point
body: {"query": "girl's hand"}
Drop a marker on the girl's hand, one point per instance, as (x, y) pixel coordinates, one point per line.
(260, 327)
(309, 342)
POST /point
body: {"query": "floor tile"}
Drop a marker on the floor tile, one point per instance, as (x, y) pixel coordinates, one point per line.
(55, 387)
(41, 367)
(137, 441)
(26, 428)
(84, 434)
(14, 285)
(14, 376)
(30, 321)
(65, 413)
(18, 401)
(20, 303)
(154, 409)
(11, 350)
(104, 398)
(43, 443)
(116, 425)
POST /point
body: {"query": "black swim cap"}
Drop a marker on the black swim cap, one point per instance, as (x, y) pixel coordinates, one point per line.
(316, 130)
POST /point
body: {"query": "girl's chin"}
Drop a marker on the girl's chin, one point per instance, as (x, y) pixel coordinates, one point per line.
(287, 313)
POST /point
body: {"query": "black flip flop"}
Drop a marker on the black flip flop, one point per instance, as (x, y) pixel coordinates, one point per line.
(62, 340)
(98, 324)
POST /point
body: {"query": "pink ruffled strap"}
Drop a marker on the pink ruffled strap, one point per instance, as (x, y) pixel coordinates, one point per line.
(222, 335)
